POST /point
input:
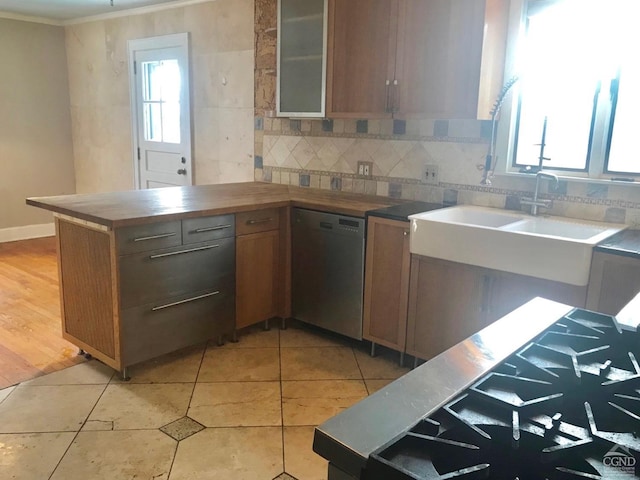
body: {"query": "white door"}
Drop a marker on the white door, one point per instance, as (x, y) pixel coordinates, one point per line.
(161, 117)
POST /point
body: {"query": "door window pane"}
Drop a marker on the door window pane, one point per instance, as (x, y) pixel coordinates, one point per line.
(152, 122)
(161, 84)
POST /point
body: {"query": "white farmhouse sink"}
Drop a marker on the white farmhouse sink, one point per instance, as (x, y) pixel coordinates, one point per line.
(552, 248)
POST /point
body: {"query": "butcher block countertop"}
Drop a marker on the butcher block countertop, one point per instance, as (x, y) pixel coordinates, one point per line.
(134, 207)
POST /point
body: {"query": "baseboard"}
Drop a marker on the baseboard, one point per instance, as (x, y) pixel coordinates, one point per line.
(27, 231)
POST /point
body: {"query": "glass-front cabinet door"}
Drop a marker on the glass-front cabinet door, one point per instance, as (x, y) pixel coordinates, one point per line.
(302, 45)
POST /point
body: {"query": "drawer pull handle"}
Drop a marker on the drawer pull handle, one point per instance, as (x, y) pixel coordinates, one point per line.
(187, 300)
(170, 254)
(210, 229)
(154, 237)
(262, 220)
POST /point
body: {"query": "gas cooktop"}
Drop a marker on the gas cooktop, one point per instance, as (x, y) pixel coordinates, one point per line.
(564, 406)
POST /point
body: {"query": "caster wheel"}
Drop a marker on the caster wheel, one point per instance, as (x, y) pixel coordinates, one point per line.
(88, 356)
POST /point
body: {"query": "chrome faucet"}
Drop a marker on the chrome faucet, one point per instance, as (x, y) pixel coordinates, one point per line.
(535, 202)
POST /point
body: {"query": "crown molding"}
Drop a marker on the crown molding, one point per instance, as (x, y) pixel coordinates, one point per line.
(102, 16)
(134, 11)
(28, 18)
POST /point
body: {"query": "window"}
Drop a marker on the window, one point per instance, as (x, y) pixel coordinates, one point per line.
(161, 100)
(579, 89)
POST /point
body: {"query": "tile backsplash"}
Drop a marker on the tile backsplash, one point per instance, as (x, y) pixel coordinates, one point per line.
(325, 153)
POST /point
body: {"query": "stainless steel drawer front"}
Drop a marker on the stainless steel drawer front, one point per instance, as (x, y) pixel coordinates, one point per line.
(328, 271)
(211, 229)
(186, 300)
(148, 332)
(180, 252)
(142, 238)
(155, 237)
(175, 272)
(204, 229)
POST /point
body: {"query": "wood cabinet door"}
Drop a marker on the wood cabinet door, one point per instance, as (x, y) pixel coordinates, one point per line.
(361, 57)
(445, 304)
(509, 291)
(613, 282)
(386, 286)
(439, 55)
(257, 277)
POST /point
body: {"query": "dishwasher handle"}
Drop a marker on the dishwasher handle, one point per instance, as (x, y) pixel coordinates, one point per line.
(327, 225)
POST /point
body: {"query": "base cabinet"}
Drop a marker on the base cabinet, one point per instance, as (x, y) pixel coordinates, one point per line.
(135, 293)
(257, 277)
(509, 291)
(386, 286)
(260, 265)
(613, 282)
(446, 303)
(449, 301)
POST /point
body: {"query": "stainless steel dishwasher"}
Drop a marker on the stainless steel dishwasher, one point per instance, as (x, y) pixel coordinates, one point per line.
(328, 270)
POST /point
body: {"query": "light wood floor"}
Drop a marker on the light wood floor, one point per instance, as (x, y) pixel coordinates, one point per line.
(31, 342)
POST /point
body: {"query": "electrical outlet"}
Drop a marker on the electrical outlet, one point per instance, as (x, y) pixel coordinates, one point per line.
(365, 169)
(430, 175)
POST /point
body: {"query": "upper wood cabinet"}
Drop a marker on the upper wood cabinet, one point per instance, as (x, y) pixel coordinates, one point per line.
(361, 57)
(415, 58)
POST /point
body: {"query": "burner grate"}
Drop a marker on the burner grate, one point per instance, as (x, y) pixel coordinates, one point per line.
(566, 406)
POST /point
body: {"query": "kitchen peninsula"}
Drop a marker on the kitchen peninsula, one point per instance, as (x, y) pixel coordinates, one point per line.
(146, 272)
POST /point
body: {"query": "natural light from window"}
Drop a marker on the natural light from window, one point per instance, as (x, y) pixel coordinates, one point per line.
(161, 101)
(623, 155)
(580, 87)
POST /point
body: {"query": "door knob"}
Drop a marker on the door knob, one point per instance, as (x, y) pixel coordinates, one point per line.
(182, 171)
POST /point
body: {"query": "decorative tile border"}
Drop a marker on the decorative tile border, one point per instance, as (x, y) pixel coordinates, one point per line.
(607, 202)
(386, 129)
(406, 187)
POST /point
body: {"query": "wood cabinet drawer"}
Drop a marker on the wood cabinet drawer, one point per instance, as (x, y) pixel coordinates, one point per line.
(142, 238)
(204, 229)
(257, 221)
(155, 329)
(153, 277)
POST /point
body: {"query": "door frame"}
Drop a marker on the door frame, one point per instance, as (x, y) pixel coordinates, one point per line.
(178, 40)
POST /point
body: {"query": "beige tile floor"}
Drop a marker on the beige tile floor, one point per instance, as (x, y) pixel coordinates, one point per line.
(243, 411)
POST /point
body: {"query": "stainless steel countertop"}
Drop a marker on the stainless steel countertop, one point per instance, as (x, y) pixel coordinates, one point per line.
(347, 439)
